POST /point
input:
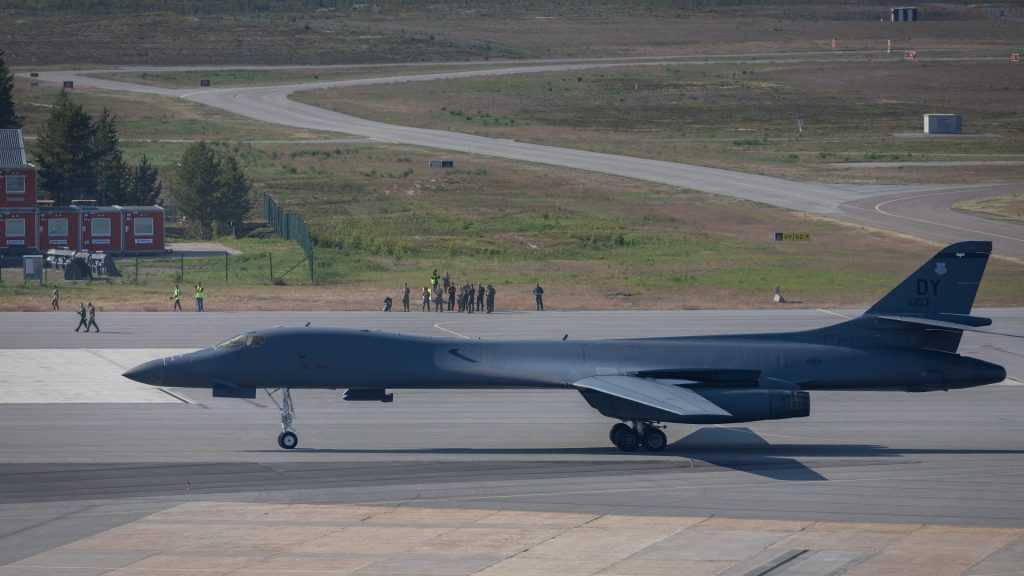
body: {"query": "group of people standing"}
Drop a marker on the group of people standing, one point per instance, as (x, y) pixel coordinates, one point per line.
(443, 295)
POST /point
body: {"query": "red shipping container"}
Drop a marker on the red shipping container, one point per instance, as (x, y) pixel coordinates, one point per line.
(18, 187)
(143, 228)
(102, 229)
(60, 227)
(17, 230)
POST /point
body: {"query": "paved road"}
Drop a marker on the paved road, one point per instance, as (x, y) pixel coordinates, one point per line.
(273, 104)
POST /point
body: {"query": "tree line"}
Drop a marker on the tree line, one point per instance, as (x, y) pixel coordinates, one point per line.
(79, 158)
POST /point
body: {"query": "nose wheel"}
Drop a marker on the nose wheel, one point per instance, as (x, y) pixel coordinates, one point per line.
(629, 438)
(287, 439)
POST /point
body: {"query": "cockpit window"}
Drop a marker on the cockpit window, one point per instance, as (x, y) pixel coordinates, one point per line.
(254, 341)
(232, 343)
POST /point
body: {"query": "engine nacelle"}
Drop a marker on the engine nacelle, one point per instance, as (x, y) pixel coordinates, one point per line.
(743, 405)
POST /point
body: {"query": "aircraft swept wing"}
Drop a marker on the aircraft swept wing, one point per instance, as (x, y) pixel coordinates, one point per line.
(652, 393)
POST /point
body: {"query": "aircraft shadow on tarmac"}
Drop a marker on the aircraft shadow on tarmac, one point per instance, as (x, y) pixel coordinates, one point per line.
(736, 448)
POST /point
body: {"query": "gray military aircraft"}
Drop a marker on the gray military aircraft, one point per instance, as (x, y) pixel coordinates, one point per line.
(907, 341)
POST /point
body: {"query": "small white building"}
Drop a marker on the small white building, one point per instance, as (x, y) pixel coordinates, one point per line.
(943, 124)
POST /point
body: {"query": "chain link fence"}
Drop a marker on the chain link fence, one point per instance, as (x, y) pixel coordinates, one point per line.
(289, 226)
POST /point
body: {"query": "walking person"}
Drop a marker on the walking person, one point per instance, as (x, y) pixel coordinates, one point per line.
(177, 299)
(92, 318)
(199, 297)
(538, 294)
(55, 302)
(405, 297)
(81, 318)
(490, 298)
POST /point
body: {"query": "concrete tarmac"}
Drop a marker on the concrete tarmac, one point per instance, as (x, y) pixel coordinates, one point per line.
(931, 467)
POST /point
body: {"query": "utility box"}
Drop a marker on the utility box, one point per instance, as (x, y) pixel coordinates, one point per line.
(441, 163)
(943, 124)
(33, 267)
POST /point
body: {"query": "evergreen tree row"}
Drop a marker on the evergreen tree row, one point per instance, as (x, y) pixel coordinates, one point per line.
(79, 158)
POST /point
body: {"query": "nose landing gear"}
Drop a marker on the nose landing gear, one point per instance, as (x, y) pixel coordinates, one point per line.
(641, 433)
(287, 439)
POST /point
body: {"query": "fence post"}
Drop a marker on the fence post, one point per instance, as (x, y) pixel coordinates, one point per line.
(181, 275)
(225, 267)
(136, 268)
(271, 256)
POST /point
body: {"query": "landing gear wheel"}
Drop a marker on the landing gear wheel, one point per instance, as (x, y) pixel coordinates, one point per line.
(616, 430)
(287, 440)
(628, 440)
(654, 439)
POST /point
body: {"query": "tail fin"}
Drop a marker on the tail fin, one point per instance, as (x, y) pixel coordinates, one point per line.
(946, 284)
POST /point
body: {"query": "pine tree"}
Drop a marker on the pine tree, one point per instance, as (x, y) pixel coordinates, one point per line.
(233, 198)
(111, 169)
(142, 188)
(195, 187)
(8, 119)
(65, 154)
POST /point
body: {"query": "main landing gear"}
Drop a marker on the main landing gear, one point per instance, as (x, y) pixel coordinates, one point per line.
(629, 437)
(287, 439)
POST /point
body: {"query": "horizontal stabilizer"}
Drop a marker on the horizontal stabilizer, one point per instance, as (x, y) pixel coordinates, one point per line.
(933, 322)
(653, 394)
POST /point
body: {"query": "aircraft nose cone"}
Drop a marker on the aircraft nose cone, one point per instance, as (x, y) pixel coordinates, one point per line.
(151, 372)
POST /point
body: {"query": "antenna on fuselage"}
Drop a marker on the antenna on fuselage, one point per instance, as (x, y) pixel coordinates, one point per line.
(308, 323)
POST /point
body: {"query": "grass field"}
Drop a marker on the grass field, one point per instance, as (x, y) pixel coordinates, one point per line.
(736, 115)
(381, 217)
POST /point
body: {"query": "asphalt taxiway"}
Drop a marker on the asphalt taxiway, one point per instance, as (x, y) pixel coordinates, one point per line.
(78, 469)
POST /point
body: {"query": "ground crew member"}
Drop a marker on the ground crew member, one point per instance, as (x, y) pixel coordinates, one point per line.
(199, 297)
(446, 281)
(55, 303)
(177, 299)
(92, 318)
(426, 300)
(438, 300)
(490, 298)
(538, 294)
(480, 297)
(433, 279)
(470, 297)
(81, 318)
(451, 297)
(405, 297)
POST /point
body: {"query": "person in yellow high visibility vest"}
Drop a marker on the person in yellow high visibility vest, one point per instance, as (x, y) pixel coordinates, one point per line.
(177, 299)
(199, 297)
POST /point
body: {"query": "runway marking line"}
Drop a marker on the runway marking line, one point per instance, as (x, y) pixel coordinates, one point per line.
(440, 327)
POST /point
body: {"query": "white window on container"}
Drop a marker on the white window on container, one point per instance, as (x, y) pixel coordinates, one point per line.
(143, 226)
(15, 185)
(15, 228)
(57, 227)
(100, 226)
